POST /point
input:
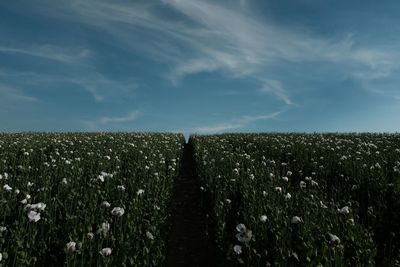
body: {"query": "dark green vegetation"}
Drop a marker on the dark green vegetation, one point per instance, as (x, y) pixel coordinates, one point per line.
(303, 200)
(72, 199)
(105, 199)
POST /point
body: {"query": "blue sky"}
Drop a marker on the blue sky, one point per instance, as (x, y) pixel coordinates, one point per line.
(200, 66)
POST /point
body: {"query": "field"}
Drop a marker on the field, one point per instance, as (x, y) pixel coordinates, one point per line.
(106, 199)
(86, 199)
(303, 200)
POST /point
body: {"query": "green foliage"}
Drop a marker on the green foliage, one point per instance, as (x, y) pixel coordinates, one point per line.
(73, 174)
(343, 188)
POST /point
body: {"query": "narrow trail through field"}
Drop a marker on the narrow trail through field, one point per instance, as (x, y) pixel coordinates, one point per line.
(188, 243)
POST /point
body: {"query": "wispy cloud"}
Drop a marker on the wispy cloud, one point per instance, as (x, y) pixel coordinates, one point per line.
(51, 52)
(100, 87)
(234, 124)
(107, 121)
(275, 87)
(129, 117)
(209, 36)
(208, 39)
(10, 94)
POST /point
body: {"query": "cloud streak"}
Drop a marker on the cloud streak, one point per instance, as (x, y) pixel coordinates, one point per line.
(11, 94)
(234, 124)
(106, 122)
(50, 52)
(210, 37)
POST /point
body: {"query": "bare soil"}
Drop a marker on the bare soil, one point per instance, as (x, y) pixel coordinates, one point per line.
(189, 242)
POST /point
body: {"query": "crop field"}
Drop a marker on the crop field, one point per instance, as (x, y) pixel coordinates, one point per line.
(85, 199)
(303, 200)
(111, 199)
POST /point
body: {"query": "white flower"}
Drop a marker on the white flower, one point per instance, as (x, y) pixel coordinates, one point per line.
(7, 187)
(38, 206)
(237, 249)
(29, 184)
(71, 246)
(228, 201)
(244, 234)
(288, 196)
(149, 235)
(344, 210)
(105, 252)
(3, 229)
(289, 173)
(105, 204)
(64, 181)
(117, 211)
(314, 183)
(33, 216)
(303, 184)
(241, 228)
(90, 236)
(17, 191)
(296, 220)
(263, 218)
(140, 192)
(1, 256)
(285, 179)
(24, 201)
(334, 239)
(121, 187)
(323, 205)
(278, 189)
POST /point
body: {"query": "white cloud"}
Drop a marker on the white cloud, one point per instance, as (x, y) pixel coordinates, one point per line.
(51, 52)
(100, 87)
(234, 124)
(129, 117)
(275, 87)
(212, 37)
(10, 94)
(106, 121)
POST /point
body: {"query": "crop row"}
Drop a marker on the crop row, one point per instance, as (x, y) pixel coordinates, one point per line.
(303, 199)
(86, 199)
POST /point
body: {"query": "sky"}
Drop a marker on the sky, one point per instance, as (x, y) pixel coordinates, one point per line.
(200, 66)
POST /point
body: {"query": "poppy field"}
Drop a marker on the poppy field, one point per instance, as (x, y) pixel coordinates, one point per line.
(303, 199)
(85, 199)
(104, 199)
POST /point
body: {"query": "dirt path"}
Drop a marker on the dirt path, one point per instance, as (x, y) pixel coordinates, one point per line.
(188, 244)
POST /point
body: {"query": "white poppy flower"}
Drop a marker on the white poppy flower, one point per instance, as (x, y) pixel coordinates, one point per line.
(237, 249)
(263, 218)
(90, 236)
(33, 216)
(121, 187)
(286, 179)
(288, 196)
(7, 187)
(278, 189)
(296, 220)
(334, 239)
(149, 235)
(140, 192)
(117, 211)
(303, 184)
(38, 206)
(105, 252)
(241, 228)
(105, 204)
(344, 210)
(71, 246)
